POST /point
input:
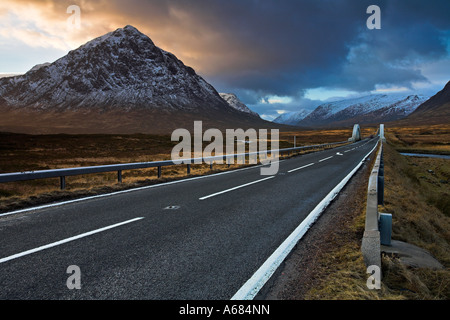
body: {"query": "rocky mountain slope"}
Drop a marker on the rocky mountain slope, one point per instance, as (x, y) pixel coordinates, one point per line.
(435, 110)
(117, 83)
(234, 102)
(292, 118)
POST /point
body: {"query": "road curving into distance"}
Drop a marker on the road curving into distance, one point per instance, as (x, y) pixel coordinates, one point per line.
(203, 238)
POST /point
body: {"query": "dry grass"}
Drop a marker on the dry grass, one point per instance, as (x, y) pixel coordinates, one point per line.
(420, 139)
(414, 197)
(342, 269)
(21, 152)
(319, 136)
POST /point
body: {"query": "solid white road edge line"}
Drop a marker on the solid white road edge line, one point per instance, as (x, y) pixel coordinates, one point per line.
(57, 243)
(308, 165)
(235, 188)
(251, 288)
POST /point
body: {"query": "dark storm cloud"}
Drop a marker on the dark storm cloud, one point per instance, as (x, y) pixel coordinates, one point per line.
(330, 46)
(285, 47)
(263, 48)
(267, 46)
(260, 48)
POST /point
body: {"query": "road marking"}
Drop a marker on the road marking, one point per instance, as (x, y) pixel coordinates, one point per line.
(235, 188)
(325, 159)
(308, 165)
(57, 243)
(253, 285)
(131, 190)
(347, 150)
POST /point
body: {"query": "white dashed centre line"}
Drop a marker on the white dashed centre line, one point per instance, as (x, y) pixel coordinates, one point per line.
(57, 243)
(235, 188)
(326, 159)
(308, 165)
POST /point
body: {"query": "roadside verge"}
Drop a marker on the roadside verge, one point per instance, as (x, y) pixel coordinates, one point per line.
(328, 264)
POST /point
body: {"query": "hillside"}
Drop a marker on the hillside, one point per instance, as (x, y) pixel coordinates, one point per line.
(234, 102)
(292, 118)
(435, 110)
(117, 83)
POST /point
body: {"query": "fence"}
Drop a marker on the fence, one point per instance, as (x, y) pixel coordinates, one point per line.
(63, 173)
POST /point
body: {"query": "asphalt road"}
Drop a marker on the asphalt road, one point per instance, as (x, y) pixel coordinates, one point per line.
(197, 239)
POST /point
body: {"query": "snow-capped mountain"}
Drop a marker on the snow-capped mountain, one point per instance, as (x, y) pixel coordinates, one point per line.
(367, 109)
(234, 102)
(292, 118)
(119, 82)
(120, 69)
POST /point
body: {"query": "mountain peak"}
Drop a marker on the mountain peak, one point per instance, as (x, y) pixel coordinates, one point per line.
(447, 87)
(121, 36)
(120, 82)
(130, 28)
(129, 31)
(121, 69)
(292, 118)
(234, 102)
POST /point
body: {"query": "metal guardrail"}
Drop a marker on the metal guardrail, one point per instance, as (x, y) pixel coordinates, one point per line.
(63, 173)
(377, 226)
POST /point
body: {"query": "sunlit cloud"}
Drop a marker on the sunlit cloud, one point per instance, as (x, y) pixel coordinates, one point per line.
(392, 89)
(327, 93)
(276, 100)
(36, 26)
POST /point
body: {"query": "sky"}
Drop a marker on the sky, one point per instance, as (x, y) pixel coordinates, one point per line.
(277, 56)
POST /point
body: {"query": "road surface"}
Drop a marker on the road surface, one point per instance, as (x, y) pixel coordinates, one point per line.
(195, 239)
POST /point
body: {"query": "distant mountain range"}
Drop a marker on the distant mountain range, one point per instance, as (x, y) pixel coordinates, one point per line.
(371, 109)
(292, 118)
(122, 83)
(117, 83)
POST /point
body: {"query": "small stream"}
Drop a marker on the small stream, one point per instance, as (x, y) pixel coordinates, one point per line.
(440, 156)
